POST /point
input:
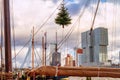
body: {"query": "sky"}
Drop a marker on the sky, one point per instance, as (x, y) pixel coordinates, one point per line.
(28, 13)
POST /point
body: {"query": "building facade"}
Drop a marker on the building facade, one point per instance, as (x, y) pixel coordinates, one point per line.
(69, 60)
(95, 46)
(56, 59)
(52, 50)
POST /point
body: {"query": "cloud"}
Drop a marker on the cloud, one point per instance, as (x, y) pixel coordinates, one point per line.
(29, 18)
(55, 1)
(113, 1)
(34, 12)
(25, 18)
(75, 7)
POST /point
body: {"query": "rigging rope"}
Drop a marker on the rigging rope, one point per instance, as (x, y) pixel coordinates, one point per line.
(28, 53)
(48, 18)
(114, 27)
(36, 58)
(13, 30)
(37, 31)
(21, 49)
(94, 17)
(1, 45)
(115, 13)
(71, 30)
(38, 55)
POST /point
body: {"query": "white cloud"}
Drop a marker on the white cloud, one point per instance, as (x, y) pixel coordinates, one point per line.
(29, 13)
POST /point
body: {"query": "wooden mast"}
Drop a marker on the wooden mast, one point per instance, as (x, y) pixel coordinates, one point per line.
(33, 49)
(7, 33)
(1, 41)
(45, 46)
(56, 48)
(43, 57)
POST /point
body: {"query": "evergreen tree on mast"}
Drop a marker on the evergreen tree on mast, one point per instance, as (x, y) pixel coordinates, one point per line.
(63, 17)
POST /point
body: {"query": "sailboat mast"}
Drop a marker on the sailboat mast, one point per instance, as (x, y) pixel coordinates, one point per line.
(33, 49)
(1, 48)
(45, 46)
(43, 57)
(7, 33)
(56, 43)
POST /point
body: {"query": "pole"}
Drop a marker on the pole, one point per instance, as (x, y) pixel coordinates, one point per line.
(56, 43)
(33, 49)
(1, 48)
(8, 61)
(119, 60)
(33, 53)
(45, 46)
(43, 57)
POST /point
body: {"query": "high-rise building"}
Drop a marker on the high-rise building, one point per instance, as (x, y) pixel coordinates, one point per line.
(95, 45)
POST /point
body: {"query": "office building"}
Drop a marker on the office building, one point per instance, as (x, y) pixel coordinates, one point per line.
(95, 46)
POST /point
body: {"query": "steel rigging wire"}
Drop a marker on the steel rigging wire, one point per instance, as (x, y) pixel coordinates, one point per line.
(37, 30)
(94, 17)
(40, 60)
(114, 12)
(72, 27)
(36, 58)
(1, 45)
(13, 31)
(65, 36)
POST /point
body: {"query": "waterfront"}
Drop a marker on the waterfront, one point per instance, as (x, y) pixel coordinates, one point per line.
(69, 55)
(93, 78)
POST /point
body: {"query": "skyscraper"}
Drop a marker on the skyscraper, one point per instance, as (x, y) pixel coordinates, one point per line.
(95, 45)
